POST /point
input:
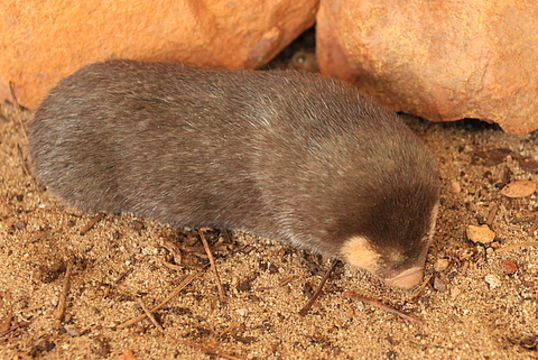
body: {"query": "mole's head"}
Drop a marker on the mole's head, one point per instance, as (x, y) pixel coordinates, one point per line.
(393, 239)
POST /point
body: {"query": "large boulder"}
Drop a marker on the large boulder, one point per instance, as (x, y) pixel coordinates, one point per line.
(441, 60)
(43, 41)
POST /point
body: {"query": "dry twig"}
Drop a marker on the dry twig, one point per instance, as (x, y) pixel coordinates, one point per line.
(149, 315)
(186, 281)
(171, 266)
(492, 213)
(384, 307)
(287, 280)
(518, 245)
(94, 220)
(207, 350)
(60, 309)
(319, 289)
(534, 226)
(421, 288)
(222, 294)
(24, 164)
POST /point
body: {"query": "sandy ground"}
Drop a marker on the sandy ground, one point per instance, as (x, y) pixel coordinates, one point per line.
(484, 305)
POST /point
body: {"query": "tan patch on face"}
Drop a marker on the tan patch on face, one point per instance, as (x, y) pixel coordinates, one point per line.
(358, 252)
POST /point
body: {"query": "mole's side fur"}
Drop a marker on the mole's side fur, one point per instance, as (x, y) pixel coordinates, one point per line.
(286, 155)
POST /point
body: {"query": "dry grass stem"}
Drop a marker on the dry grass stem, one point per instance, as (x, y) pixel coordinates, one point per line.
(60, 309)
(92, 223)
(492, 213)
(518, 246)
(384, 307)
(318, 291)
(416, 295)
(205, 349)
(149, 315)
(222, 294)
(186, 281)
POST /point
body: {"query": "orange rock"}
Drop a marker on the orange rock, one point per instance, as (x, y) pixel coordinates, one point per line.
(480, 234)
(44, 41)
(442, 61)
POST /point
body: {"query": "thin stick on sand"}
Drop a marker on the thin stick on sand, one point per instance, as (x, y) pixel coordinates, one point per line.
(421, 288)
(205, 349)
(24, 164)
(318, 291)
(186, 281)
(382, 306)
(518, 245)
(94, 220)
(492, 213)
(222, 294)
(60, 309)
(149, 315)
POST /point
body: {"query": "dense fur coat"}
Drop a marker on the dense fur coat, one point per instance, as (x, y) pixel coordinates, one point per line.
(285, 155)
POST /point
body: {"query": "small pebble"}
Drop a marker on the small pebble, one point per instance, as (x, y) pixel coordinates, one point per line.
(509, 267)
(349, 313)
(455, 186)
(127, 355)
(439, 284)
(20, 225)
(242, 312)
(71, 330)
(455, 292)
(493, 281)
(150, 251)
(480, 234)
(138, 226)
(441, 265)
(495, 244)
(235, 282)
(519, 189)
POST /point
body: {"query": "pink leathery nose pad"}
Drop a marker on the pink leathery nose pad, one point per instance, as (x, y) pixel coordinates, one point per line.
(407, 279)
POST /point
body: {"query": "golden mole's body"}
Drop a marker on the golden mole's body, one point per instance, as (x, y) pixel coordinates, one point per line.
(289, 156)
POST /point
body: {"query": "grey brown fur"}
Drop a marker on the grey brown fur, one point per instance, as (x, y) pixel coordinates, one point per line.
(286, 155)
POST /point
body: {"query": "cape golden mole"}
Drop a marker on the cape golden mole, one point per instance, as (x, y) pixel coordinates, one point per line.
(285, 155)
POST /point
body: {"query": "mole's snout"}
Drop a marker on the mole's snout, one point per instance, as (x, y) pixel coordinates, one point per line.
(407, 278)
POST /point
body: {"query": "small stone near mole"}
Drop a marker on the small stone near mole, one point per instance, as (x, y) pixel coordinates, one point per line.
(439, 284)
(495, 244)
(150, 251)
(455, 186)
(20, 225)
(71, 330)
(493, 281)
(441, 265)
(480, 234)
(519, 189)
(455, 292)
(509, 267)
